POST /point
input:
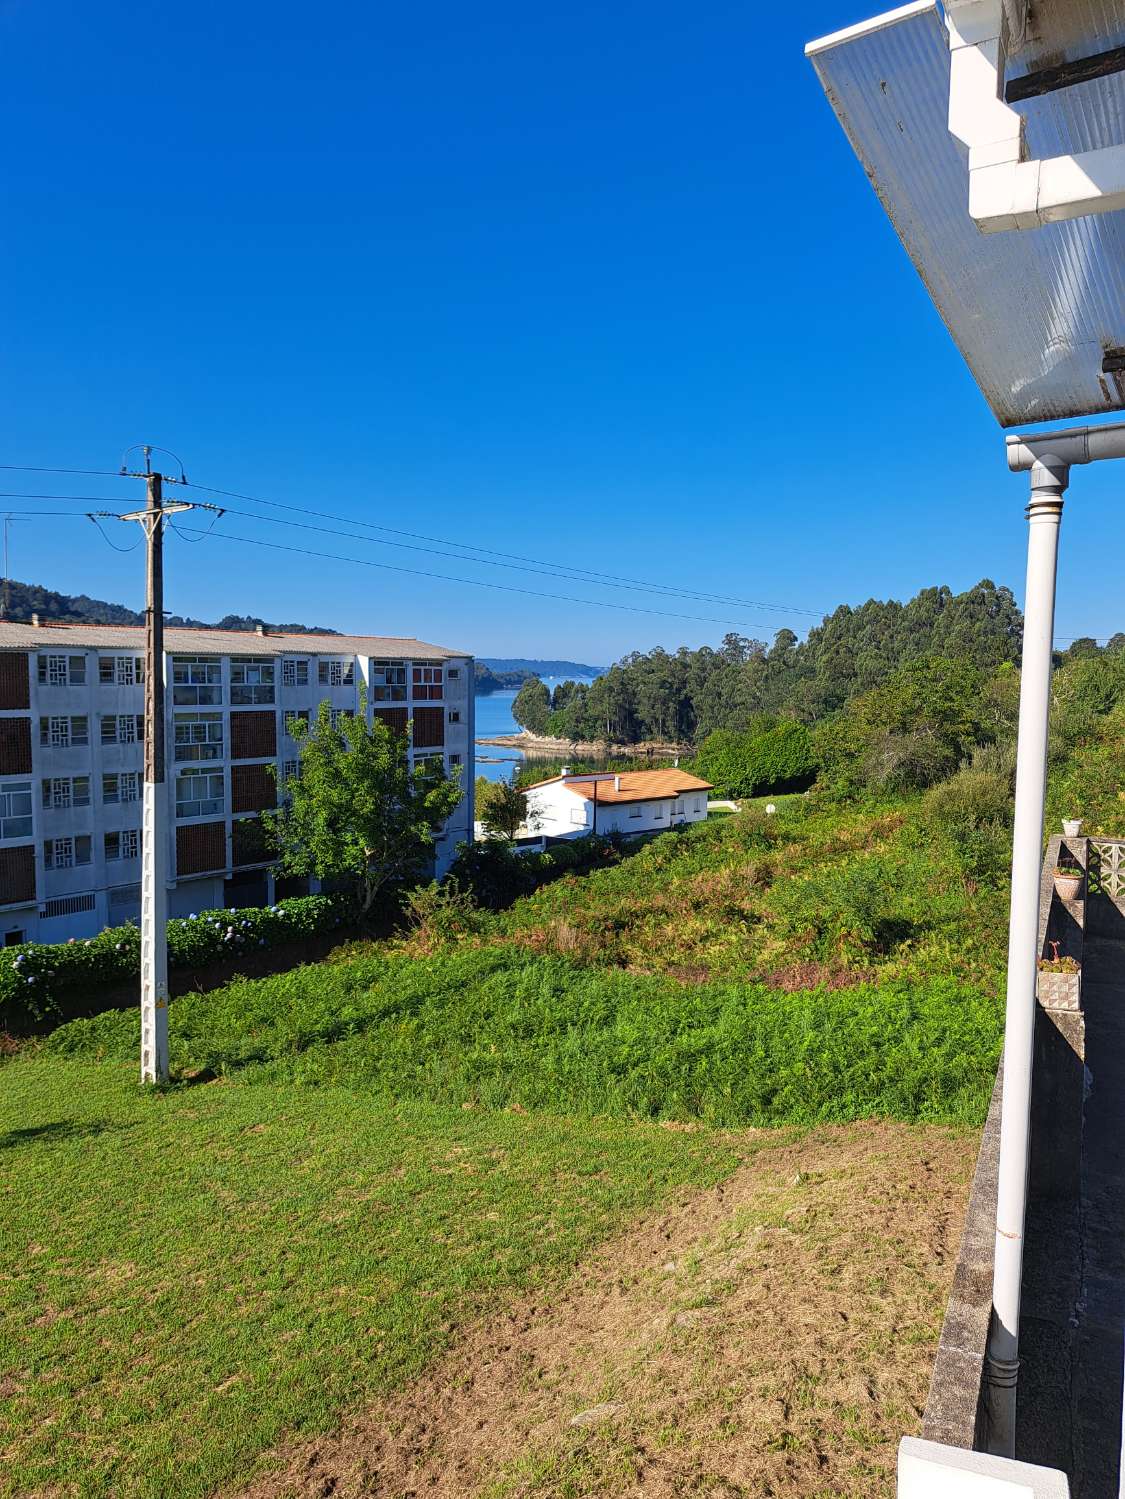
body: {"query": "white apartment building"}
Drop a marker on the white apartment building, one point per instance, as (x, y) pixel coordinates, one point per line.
(71, 759)
(638, 801)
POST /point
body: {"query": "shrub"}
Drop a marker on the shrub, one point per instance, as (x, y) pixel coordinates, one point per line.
(972, 811)
(854, 910)
(774, 758)
(34, 975)
(441, 912)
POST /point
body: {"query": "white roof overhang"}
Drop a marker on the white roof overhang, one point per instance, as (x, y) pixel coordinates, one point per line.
(1038, 314)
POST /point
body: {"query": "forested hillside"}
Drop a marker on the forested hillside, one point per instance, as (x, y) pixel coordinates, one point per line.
(26, 599)
(686, 695)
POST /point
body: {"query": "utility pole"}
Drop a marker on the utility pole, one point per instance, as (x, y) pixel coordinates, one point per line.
(154, 827)
(6, 600)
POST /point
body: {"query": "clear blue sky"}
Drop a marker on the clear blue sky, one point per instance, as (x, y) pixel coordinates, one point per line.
(597, 283)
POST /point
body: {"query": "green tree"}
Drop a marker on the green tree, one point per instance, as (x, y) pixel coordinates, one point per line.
(501, 809)
(532, 706)
(357, 810)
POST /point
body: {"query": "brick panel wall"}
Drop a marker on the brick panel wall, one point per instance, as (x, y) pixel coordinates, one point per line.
(253, 736)
(17, 874)
(248, 842)
(201, 847)
(15, 746)
(15, 680)
(396, 719)
(429, 727)
(252, 788)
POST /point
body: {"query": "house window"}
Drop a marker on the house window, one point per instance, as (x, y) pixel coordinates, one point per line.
(453, 674)
(336, 714)
(122, 728)
(66, 853)
(427, 683)
(455, 759)
(120, 671)
(294, 673)
(658, 812)
(199, 793)
(15, 810)
(429, 762)
(64, 733)
(336, 673)
(635, 811)
(121, 788)
(290, 770)
(454, 715)
(61, 792)
(302, 716)
(388, 681)
(251, 681)
(197, 681)
(123, 845)
(62, 671)
(198, 736)
(578, 816)
(698, 804)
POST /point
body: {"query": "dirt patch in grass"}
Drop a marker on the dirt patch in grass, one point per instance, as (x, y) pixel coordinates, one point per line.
(770, 1336)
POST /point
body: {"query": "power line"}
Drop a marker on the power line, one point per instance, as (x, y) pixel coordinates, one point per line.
(26, 494)
(579, 573)
(31, 468)
(414, 572)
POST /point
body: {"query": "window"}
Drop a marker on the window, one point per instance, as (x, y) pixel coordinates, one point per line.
(121, 788)
(62, 671)
(635, 811)
(199, 793)
(453, 674)
(64, 733)
(578, 816)
(251, 681)
(388, 681)
(698, 805)
(123, 845)
(121, 671)
(454, 715)
(336, 714)
(658, 812)
(123, 728)
(196, 681)
(15, 810)
(429, 762)
(427, 683)
(336, 673)
(455, 759)
(294, 673)
(290, 770)
(198, 736)
(66, 853)
(302, 715)
(13, 937)
(66, 791)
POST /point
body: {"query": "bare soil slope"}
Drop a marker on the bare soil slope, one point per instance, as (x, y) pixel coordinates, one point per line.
(771, 1336)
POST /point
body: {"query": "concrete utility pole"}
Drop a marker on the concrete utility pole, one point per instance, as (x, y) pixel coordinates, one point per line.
(5, 602)
(154, 829)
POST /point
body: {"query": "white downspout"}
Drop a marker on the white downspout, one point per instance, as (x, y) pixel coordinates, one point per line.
(1049, 478)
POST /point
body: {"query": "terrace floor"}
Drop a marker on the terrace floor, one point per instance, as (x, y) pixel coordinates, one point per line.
(1072, 1328)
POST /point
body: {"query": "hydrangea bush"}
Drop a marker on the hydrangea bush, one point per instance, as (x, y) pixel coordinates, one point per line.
(35, 974)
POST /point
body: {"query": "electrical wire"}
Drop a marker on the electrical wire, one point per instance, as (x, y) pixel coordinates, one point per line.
(25, 494)
(414, 572)
(581, 574)
(112, 545)
(31, 468)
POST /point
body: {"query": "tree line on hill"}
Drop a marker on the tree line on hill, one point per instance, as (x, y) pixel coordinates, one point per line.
(26, 599)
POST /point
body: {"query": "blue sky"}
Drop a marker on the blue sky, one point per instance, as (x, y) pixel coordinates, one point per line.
(598, 284)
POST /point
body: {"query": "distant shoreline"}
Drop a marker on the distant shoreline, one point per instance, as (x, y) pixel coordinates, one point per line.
(544, 744)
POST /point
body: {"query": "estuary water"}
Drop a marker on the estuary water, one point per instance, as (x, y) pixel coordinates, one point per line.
(494, 716)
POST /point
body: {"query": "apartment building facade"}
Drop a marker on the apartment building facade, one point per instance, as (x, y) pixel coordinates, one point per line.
(71, 758)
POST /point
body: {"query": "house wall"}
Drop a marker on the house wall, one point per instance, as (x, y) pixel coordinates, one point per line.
(562, 813)
(53, 904)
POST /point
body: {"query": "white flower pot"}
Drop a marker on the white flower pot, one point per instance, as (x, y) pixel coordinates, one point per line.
(1072, 827)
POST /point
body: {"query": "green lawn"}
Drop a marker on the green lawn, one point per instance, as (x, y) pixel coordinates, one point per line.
(189, 1276)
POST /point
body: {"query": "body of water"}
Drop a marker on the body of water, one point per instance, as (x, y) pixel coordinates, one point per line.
(494, 716)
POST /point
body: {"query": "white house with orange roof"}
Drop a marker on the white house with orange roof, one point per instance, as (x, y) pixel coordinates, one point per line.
(630, 802)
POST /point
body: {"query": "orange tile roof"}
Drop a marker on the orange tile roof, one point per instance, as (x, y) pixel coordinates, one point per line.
(636, 786)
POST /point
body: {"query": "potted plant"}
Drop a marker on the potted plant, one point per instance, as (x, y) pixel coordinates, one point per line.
(1072, 827)
(1068, 882)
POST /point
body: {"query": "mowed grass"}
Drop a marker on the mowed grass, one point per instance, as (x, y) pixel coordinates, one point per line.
(191, 1276)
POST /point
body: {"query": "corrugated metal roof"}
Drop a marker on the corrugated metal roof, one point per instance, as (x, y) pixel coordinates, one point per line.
(1032, 312)
(636, 786)
(220, 642)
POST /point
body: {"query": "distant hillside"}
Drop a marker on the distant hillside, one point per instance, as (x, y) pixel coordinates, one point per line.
(529, 667)
(27, 599)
